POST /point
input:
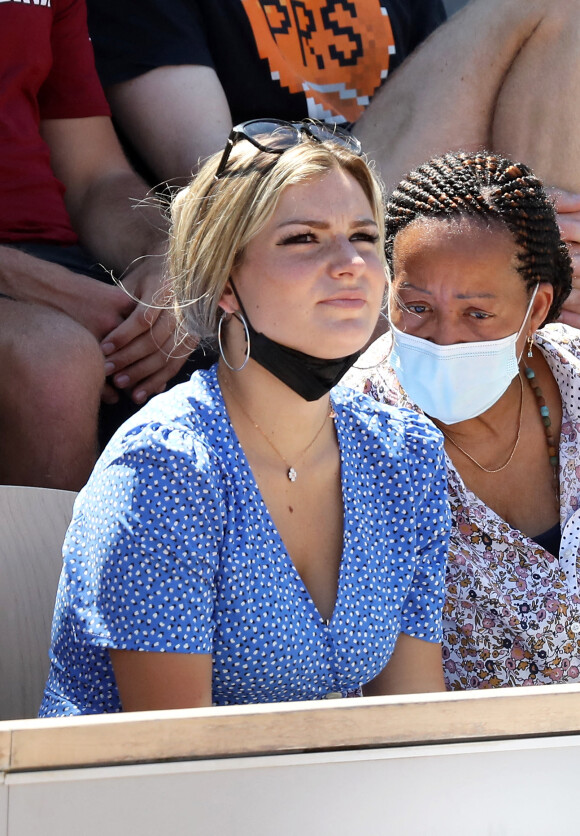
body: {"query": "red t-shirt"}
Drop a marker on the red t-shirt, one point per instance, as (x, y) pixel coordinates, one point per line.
(46, 72)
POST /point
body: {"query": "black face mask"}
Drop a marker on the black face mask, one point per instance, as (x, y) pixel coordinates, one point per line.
(308, 376)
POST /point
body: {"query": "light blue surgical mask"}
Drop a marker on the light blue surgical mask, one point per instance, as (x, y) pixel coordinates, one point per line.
(454, 383)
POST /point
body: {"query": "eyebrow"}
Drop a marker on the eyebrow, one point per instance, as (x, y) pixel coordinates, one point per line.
(317, 224)
(411, 286)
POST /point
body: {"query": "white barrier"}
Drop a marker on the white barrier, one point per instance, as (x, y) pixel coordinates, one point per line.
(501, 762)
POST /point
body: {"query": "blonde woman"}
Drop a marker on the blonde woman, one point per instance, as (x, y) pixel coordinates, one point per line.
(251, 536)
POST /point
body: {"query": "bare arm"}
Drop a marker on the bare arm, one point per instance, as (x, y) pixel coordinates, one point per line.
(415, 666)
(174, 116)
(96, 305)
(156, 681)
(104, 198)
(439, 100)
(103, 193)
(568, 208)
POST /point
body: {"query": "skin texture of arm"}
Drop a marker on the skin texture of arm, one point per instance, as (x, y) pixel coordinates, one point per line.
(440, 100)
(191, 99)
(99, 307)
(107, 206)
(568, 208)
(415, 667)
(157, 681)
(102, 191)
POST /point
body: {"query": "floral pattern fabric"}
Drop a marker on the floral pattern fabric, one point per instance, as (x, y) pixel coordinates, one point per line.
(512, 612)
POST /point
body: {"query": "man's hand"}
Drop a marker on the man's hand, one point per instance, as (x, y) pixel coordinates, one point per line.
(144, 352)
(111, 211)
(98, 306)
(568, 209)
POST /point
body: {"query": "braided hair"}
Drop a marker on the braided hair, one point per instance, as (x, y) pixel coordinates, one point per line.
(495, 189)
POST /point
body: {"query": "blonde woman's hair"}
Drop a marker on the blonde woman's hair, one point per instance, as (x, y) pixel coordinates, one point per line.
(214, 220)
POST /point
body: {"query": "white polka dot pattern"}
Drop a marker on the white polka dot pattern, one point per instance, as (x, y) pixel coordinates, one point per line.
(172, 549)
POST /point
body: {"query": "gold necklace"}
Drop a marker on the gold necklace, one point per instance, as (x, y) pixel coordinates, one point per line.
(291, 471)
(503, 467)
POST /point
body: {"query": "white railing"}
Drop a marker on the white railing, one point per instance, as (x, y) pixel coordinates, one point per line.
(494, 762)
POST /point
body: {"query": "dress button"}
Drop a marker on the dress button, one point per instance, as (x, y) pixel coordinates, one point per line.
(575, 627)
(568, 553)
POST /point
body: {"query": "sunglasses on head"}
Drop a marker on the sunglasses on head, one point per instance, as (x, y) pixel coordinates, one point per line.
(274, 136)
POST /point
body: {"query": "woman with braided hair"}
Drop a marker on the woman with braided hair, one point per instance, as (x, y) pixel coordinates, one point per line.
(479, 275)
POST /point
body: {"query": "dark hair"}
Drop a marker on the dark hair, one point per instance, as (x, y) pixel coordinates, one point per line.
(495, 189)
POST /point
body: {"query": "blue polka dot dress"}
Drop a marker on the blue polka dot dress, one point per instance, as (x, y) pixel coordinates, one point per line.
(172, 549)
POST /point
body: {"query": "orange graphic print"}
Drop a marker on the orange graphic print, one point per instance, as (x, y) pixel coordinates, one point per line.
(336, 52)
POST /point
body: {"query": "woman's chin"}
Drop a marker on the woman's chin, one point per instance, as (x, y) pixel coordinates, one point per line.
(349, 338)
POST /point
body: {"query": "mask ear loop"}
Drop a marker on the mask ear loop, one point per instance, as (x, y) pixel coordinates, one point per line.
(242, 319)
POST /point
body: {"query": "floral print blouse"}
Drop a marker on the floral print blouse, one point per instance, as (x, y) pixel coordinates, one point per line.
(512, 613)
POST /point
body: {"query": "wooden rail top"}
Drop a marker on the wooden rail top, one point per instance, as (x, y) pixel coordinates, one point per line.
(242, 731)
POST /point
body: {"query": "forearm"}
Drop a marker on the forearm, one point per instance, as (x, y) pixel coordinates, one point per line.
(439, 99)
(109, 205)
(120, 221)
(96, 305)
(30, 279)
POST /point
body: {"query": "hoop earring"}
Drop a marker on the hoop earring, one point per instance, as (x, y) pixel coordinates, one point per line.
(530, 346)
(242, 319)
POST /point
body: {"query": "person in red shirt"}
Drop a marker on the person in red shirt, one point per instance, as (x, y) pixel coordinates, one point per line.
(69, 203)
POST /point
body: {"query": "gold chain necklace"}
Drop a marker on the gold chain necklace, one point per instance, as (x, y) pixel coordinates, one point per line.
(503, 467)
(291, 472)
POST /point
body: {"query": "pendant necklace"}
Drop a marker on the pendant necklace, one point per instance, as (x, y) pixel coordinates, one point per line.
(291, 471)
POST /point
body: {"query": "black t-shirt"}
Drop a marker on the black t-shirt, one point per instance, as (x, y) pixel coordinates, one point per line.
(282, 58)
